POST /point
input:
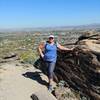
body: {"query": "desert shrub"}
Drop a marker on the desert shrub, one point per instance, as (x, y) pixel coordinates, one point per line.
(28, 56)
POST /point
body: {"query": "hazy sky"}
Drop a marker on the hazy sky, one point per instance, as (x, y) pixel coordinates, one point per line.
(44, 13)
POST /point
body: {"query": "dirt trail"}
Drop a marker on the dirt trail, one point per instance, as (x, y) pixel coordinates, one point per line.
(19, 83)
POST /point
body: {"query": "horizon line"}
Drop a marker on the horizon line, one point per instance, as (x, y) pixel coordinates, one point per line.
(49, 26)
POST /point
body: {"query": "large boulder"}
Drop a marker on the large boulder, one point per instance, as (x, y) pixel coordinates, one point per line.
(81, 67)
(81, 70)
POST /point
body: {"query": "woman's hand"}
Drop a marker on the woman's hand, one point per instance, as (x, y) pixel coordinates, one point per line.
(40, 49)
(72, 49)
(41, 53)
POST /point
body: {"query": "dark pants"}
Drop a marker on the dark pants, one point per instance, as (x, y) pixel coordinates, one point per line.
(50, 68)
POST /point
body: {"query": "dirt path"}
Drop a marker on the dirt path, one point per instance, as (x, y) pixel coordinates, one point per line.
(19, 83)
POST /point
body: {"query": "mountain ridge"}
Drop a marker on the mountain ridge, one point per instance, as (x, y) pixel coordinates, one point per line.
(58, 28)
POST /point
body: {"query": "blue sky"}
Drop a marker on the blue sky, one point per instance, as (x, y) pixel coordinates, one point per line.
(44, 13)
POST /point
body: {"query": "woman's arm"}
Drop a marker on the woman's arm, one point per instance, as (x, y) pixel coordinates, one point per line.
(40, 49)
(63, 48)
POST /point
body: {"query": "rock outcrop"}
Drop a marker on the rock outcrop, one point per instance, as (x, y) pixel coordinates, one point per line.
(9, 57)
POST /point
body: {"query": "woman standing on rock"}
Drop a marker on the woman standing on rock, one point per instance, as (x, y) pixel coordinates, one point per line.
(50, 56)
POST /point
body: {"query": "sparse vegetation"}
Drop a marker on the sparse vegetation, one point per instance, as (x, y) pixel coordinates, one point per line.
(28, 56)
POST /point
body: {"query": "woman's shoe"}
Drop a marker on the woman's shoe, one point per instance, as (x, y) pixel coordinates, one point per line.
(50, 88)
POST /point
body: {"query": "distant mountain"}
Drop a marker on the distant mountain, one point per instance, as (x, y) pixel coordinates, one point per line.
(58, 28)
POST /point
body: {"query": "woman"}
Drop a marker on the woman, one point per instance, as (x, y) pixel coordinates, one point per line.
(50, 56)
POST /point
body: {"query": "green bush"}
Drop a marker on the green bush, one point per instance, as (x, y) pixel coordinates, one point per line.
(28, 56)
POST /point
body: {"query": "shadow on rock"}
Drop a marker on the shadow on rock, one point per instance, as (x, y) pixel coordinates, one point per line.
(40, 64)
(36, 76)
